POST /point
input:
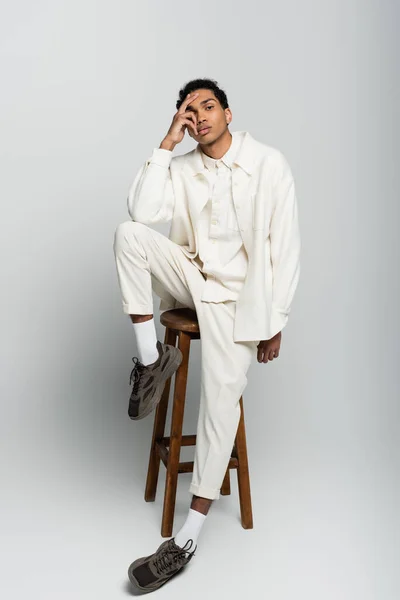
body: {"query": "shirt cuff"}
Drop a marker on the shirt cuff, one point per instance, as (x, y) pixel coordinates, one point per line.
(161, 157)
(279, 319)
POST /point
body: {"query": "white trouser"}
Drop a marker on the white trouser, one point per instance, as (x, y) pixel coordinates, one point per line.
(145, 257)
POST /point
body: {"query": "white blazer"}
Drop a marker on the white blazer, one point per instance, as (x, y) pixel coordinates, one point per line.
(175, 188)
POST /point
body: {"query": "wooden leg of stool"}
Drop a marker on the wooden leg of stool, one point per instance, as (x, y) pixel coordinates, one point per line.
(226, 484)
(171, 481)
(158, 430)
(246, 512)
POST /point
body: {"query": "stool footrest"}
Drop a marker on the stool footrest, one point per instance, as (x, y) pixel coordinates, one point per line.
(187, 440)
(185, 467)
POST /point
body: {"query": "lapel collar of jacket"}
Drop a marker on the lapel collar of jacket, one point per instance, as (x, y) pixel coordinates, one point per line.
(246, 157)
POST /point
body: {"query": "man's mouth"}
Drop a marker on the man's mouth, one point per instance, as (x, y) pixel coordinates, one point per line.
(204, 130)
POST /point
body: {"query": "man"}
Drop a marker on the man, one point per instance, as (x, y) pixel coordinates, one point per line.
(232, 256)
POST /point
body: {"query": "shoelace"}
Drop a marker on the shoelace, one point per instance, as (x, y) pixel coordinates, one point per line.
(163, 563)
(136, 373)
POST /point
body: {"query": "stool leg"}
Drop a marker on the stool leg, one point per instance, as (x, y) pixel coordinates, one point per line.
(171, 481)
(226, 484)
(243, 473)
(158, 430)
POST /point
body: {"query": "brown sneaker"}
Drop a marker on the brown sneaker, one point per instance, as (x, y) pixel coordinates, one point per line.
(151, 572)
(149, 380)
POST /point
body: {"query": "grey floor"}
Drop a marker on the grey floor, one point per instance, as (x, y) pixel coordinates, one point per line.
(71, 526)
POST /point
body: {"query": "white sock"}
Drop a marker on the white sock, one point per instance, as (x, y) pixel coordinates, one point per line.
(191, 529)
(146, 339)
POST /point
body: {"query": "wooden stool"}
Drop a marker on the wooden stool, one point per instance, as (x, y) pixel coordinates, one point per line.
(182, 324)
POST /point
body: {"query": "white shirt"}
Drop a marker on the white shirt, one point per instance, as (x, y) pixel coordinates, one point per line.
(222, 256)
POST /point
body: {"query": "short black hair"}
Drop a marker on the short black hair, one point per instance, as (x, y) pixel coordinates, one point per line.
(204, 84)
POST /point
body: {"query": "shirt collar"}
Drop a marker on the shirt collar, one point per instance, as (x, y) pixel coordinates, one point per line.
(227, 159)
(247, 153)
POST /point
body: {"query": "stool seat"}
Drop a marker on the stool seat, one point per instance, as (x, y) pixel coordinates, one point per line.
(182, 326)
(181, 319)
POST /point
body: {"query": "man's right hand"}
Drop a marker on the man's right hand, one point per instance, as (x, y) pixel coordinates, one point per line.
(181, 121)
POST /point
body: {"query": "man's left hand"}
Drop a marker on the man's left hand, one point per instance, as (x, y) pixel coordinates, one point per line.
(269, 349)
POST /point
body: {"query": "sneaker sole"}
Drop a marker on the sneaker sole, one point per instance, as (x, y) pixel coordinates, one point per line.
(169, 371)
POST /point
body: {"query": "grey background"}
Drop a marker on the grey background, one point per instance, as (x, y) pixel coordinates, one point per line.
(88, 89)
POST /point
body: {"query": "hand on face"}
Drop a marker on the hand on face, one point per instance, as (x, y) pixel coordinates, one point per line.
(182, 120)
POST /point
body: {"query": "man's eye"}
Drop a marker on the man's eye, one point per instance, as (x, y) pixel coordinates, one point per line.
(210, 106)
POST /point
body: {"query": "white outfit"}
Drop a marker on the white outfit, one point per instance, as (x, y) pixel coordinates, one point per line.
(173, 267)
(176, 189)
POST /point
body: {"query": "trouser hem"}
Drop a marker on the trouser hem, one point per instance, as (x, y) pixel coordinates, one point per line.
(138, 309)
(204, 492)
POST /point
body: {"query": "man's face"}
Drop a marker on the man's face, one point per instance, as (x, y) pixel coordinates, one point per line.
(209, 116)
